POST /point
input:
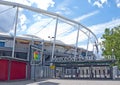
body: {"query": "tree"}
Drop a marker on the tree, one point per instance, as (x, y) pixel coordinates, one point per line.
(111, 43)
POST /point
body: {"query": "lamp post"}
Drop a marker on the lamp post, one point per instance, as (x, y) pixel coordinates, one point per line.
(52, 53)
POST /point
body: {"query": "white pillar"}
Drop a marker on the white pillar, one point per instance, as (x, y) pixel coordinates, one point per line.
(76, 43)
(88, 44)
(15, 32)
(42, 57)
(53, 49)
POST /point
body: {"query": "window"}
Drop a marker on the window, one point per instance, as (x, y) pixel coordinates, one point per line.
(2, 44)
(6, 53)
(83, 53)
(21, 55)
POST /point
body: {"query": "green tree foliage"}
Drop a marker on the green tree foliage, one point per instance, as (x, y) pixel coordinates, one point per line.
(111, 43)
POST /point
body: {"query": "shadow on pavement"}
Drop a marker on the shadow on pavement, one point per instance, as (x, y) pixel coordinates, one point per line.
(23, 82)
(48, 83)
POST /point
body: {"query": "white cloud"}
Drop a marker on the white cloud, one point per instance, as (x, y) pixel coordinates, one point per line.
(22, 17)
(63, 9)
(76, 7)
(49, 30)
(43, 4)
(43, 32)
(99, 28)
(89, 1)
(90, 46)
(103, 1)
(25, 2)
(118, 3)
(86, 16)
(98, 3)
(6, 16)
(37, 17)
(65, 32)
(22, 22)
(63, 28)
(63, 5)
(71, 37)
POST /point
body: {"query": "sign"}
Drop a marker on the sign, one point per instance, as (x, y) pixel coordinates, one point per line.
(52, 67)
(36, 55)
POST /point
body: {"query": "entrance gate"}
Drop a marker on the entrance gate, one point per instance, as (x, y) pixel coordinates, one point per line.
(103, 72)
(97, 69)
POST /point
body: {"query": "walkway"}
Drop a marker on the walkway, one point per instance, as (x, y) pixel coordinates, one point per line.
(63, 82)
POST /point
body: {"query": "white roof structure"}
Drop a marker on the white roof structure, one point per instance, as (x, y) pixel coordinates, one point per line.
(57, 17)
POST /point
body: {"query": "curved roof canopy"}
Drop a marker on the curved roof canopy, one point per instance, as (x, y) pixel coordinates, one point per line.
(51, 14)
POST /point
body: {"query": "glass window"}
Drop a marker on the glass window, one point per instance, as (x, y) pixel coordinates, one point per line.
(21, 55)
(2, 44)
(5, 53)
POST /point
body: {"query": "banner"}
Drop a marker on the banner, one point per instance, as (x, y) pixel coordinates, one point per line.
(36, 55)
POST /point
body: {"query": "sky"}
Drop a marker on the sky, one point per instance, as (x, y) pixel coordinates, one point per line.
(94, 14)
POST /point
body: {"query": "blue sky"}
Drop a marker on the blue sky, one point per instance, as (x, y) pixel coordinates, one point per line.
(94, 14)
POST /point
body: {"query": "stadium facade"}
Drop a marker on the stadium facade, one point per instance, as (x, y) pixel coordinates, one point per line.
(66, 65)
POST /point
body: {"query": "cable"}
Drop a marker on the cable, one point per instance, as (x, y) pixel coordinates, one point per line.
(43, 26)
(14, 20)
(5, 10)
(66, 32)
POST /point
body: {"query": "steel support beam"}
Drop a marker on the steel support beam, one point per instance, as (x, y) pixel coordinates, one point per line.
(13, 53)
(53, 49)
(88, 44)
(77, 42)
(54, 15)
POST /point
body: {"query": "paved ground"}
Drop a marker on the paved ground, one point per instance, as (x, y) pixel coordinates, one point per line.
(63, 82)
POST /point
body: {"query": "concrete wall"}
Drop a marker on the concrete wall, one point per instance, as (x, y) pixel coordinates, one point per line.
(8, 43)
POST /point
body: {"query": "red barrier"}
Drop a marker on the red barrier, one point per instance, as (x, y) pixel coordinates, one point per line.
(12, 69)
(4, 69)
(18, 70)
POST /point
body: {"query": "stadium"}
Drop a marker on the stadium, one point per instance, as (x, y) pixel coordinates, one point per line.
(27, 56)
